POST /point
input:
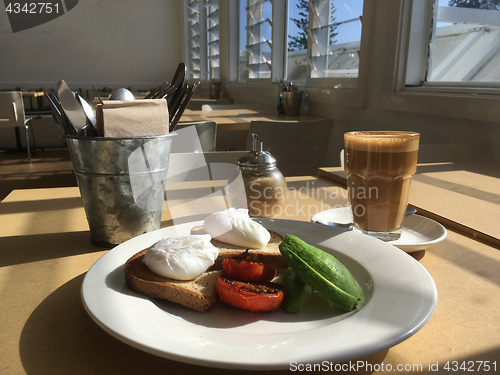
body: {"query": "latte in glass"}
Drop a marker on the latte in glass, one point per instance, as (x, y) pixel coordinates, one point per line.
(379, 167)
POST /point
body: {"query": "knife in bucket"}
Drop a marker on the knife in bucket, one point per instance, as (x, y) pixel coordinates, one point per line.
(73, 110)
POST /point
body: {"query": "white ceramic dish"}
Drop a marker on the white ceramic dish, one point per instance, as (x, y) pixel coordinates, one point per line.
(418, 232)
(398, 301)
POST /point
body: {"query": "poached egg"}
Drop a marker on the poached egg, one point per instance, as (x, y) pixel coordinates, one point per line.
(182, 257)
(235, 227)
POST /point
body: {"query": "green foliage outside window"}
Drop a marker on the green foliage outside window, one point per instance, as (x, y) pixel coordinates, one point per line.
(299, 41)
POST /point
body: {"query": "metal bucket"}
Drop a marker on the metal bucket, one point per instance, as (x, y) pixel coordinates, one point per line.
(292, 101)
(214, 90)
(122, 184)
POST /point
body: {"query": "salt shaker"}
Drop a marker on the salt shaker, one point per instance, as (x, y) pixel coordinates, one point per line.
(265, 185)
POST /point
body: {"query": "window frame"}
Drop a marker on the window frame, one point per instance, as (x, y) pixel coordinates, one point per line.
(449, 99)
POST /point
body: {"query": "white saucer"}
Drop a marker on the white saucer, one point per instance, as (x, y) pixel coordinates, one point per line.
(418, 232)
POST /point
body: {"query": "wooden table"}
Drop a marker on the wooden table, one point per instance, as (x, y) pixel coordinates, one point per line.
(45, 253)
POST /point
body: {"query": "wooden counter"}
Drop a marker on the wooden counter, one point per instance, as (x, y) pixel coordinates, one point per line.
(45, 253)
(233, 124)
(239, 118)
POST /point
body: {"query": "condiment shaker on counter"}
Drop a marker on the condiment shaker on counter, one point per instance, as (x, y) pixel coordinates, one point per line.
(265, 185)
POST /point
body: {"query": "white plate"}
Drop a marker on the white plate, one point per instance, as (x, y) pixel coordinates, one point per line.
(399, 300)
(418, 232)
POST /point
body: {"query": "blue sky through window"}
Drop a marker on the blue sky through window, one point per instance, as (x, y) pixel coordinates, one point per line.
(345, 10)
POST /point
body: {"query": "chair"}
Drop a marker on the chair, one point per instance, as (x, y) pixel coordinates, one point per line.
(12, 115)
(195, 137)
(300, 147)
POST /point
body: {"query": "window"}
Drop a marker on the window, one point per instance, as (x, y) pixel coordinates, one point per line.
(418, 56)
(333, 39)
(297, 32)
(446, 60)
(465, 43)
(463, 49)
(259, 40)
(202, 39)
(276, 41)
(323, 43)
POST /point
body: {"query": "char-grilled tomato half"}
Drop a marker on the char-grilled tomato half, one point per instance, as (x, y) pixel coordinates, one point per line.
(245, 270)
(255, 297)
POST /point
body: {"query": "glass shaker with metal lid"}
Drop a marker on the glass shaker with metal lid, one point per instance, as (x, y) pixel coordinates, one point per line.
(265, 185)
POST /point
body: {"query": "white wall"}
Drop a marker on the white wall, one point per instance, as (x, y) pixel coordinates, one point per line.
(106, 43)
(113, 43)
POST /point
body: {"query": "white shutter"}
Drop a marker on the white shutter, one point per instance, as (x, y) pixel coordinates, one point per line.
(202, 42)
(213, 38)
(259, 38)
(326, 59)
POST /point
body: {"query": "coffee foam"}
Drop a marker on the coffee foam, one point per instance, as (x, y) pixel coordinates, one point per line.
(385, 141)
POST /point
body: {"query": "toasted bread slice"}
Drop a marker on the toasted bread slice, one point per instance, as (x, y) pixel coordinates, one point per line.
(198, 294)
(269, 255)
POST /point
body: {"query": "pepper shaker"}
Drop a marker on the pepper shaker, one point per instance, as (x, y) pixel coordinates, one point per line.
(265, 185)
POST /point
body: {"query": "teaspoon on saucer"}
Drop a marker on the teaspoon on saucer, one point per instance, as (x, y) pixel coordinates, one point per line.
(348, 225)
